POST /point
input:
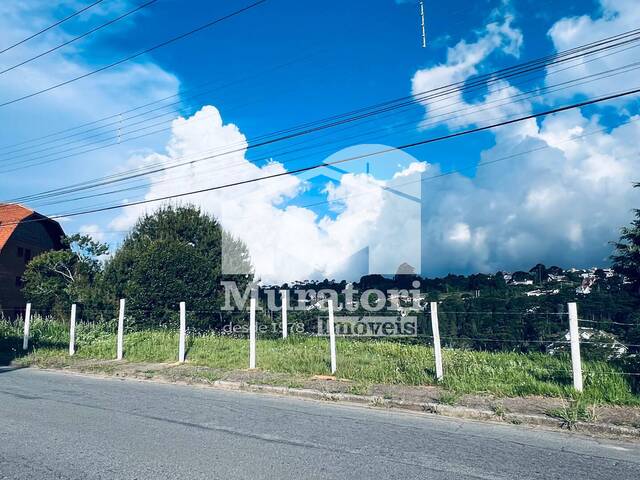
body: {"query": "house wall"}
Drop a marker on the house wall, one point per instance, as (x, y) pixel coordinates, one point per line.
(33, 239)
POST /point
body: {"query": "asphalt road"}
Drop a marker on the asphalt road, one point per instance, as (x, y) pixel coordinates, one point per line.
(62, 426)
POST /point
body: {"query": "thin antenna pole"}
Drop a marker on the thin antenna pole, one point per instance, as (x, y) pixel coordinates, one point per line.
(424, 34)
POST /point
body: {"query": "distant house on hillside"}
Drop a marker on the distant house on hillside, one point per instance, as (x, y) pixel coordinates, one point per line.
(540, 292)
(557, 278)
(521, 278)
(586, 286)
(596, 341)
(24, 234)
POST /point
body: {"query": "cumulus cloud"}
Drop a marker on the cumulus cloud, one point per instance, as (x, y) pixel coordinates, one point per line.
(561, 203)
(614, 17)
(373, 223)
(94, 231)
(103, 94)
(463, 61)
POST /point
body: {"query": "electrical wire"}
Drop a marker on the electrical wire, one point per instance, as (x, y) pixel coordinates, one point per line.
(229, 152)
(59, 22)
(610, 322)
(194, 93)
(120, 133)
(324, 164)
(622, 38)
(135, 55)
(393, 185)
(79, 37)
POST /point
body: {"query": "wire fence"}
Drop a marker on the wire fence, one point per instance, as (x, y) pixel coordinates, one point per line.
(93, 336)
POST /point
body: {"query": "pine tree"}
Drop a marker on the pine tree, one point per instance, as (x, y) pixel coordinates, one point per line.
(626, 259)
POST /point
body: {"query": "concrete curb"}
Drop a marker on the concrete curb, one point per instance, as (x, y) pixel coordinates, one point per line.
(433, 408)
(429, 408)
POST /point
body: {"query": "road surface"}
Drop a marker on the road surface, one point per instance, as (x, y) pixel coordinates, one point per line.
(63, 426)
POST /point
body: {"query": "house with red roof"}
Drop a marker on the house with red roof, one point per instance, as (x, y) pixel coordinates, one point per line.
(24, 234)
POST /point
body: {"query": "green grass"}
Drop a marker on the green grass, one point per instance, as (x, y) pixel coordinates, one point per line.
(502, 374)
(576, 410)
(449, 398)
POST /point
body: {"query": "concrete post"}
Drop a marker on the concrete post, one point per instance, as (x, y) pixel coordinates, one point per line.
(332, 337)
(72, 331)
(183, 332)
(120, 330)
(574, 334)
(252, 334)
(285, 332)
(436, 340)
(27, 324)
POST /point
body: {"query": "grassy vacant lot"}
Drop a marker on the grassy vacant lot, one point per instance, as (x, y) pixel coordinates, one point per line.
(382, 362)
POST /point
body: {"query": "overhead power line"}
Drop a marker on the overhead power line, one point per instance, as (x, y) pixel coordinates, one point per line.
(40, 32)
(388, 106)
(348, 159)
(228, 166)
(152, 169)
(50, 156)
(394, 185)
(319, 125)
(74, 39)
(630, 36)
(190, 161)
(138, 54)
(182, 96)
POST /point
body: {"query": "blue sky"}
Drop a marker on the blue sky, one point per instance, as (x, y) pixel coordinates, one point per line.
(286, 63)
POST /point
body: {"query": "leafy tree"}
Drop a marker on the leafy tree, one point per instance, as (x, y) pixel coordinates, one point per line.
(626, 259)
(499, 281)
(554, 270)
(56, 279)
(171, 256)
(539, 273)
(521, 276)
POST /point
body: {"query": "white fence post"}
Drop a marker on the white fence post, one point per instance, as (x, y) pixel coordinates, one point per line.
(120, 329)
(332, 337)
(285, 332)
(27, 322)
(72, 330)
(574, 334)
(436, 340)
(183, 331)
(252, 333)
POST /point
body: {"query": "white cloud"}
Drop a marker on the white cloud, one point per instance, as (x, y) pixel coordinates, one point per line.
(412, 169)
(97, 96)
(94, 231)
(463, 61)
(559, 205)
(615, 17)
(290, 242)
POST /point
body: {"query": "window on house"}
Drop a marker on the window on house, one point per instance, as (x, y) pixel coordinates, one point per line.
(20, 251)
(27, 255)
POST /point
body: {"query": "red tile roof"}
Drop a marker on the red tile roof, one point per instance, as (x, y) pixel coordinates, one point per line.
(10, 216)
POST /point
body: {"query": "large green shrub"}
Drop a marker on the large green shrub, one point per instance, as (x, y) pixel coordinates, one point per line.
(173, 255)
